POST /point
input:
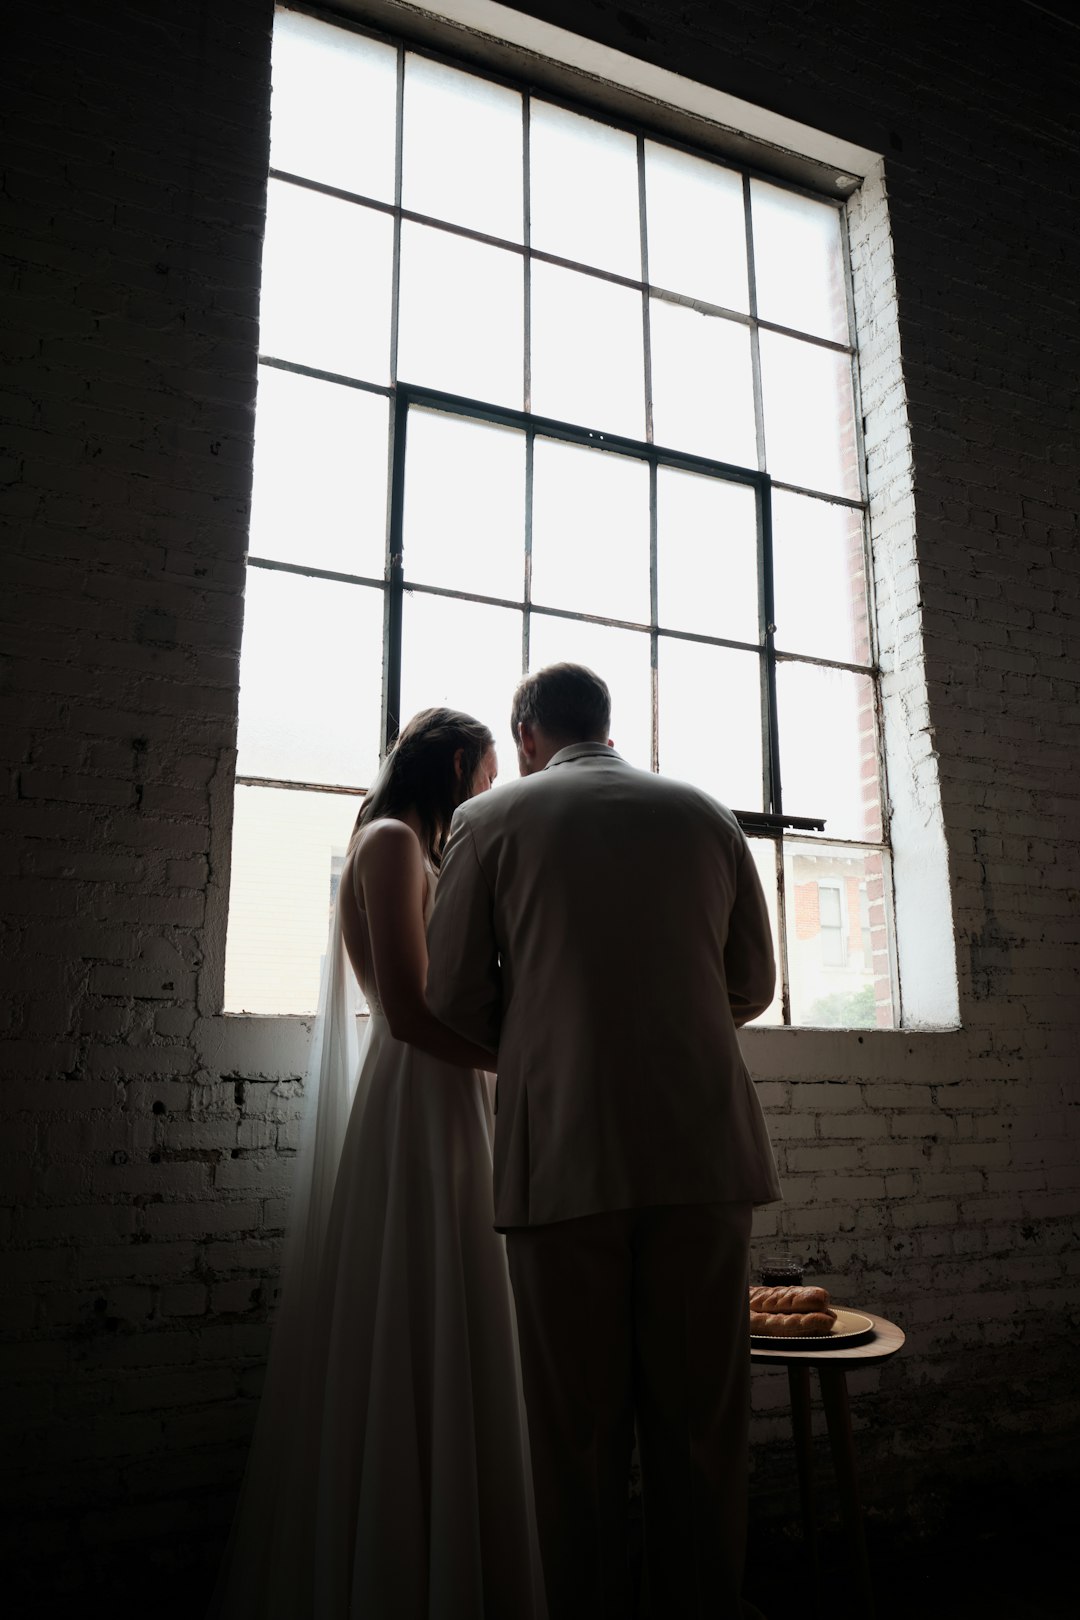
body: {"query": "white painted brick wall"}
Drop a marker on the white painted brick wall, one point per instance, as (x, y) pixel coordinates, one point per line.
(147, 1143)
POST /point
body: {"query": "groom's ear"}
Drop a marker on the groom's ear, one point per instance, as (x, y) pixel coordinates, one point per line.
(528, 749)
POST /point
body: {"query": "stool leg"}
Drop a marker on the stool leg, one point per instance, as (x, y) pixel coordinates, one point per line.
(799, 1388)
(838, 1416)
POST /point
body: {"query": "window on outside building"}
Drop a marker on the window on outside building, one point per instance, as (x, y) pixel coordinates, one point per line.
(831, 918)
(536, 387)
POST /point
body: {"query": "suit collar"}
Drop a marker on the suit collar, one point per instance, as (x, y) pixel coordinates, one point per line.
(582, 750)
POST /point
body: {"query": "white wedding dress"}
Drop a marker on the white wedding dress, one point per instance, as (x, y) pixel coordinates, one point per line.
(388, 1476)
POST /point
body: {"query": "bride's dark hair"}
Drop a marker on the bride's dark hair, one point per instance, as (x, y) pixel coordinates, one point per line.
(418, 774)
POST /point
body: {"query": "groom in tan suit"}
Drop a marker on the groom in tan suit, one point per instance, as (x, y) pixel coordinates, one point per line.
(604, 930)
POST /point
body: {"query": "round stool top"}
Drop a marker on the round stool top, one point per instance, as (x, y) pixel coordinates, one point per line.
(887, 1340)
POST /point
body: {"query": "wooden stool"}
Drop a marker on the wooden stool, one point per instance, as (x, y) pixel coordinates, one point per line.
(832, 1369)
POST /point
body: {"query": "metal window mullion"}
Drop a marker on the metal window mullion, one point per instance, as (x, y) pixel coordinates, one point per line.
(799, 840)
(766, 619)
(646, 351)
(395, 283)
(293, 786)
(646, 324)
(512, 79)
(784, 657)
(526, 616)
(639, 628)
(575, 433)
(395, 573)
(339, 378)
(825, 495)
(709, 641)
(450, 227)
(770, 763)
(770, 757)
(307, 182)
(530, 441)
(781, 934)
(526, 239)
(770, 753)
(417, 588)
(814, 339)
(849, 286)
(760, 824)
(654, 618)
(771, 750)
(856, 394)
(275, 565)
(755, 346)
(395, 583)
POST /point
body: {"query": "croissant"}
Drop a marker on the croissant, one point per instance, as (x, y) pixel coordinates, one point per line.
(791, 1324)
(784, 1300)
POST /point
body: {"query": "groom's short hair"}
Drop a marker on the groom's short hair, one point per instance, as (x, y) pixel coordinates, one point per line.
(567, 701)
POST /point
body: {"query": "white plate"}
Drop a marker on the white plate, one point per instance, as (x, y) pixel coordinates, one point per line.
(850, 1327)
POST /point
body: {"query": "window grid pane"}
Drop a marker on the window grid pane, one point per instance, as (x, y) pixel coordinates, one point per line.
(609, 339)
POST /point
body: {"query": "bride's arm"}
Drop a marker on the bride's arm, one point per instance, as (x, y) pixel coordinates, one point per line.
(389, 876)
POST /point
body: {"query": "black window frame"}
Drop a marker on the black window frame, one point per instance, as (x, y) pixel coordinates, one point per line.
(775, 819)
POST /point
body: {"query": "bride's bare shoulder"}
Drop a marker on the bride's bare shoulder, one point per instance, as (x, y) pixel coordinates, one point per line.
(385, 843)
(386, 833)
(385, 868)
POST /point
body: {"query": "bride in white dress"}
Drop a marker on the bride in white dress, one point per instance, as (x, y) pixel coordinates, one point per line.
(389, 1475)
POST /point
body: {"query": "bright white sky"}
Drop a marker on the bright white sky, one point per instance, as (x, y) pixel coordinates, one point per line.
(312, 655)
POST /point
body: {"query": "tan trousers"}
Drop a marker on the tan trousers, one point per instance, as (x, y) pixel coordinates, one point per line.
(638, 1316)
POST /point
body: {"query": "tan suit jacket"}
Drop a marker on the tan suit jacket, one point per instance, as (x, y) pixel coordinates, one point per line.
(604, 929)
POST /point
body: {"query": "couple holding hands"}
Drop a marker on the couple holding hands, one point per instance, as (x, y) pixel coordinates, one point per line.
(554, 973)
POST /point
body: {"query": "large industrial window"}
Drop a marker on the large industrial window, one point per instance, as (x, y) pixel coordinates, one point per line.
(536, 387)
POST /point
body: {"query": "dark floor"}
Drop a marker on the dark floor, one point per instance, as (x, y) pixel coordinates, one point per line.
(988, 1551)
(992, 1553)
